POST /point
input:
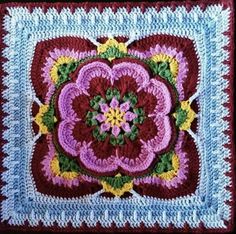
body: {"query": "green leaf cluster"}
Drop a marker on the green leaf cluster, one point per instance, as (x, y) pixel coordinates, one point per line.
(164, 164)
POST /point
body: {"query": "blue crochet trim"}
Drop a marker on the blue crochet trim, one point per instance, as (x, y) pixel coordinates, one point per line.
(206, 205)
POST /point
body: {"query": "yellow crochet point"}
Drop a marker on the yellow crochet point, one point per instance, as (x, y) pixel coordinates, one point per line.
(111, 42)
(171, 174)
(117, 191)
(70, 175)
(54, 70)
(174, 66)
(185, 105)
(55, 168)
(39, 119)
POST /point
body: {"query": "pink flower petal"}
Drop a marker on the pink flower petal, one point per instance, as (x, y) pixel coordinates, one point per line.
(125, 106)
(114, 103)
(125, 127)
(115, 131)
(100, 118)
(105, 127)
(104, 107)
(129, 116)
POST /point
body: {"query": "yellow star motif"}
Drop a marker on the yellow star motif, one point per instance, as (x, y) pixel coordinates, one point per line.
(115, 117)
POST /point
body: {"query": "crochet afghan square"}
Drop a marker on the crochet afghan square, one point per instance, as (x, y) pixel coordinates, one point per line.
(117, 116)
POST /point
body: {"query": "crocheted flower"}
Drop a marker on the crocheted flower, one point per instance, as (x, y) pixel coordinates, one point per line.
(114, 117)
(105, 117)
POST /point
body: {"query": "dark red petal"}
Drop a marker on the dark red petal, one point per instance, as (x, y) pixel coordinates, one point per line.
(103, 150)
(103, 40)
(147, 130)
(46, 187)
(82, 132)
(42, 52)
(190, 184)
(35, 110)
(181, 44)
(80, 105)
(126, 84)
(131, 149)
(147, 101)
(98, 86)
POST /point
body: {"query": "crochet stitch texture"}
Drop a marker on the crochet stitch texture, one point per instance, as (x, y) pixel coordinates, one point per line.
(117, 114)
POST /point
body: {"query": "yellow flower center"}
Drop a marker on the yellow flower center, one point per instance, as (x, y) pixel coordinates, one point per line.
(115, 117)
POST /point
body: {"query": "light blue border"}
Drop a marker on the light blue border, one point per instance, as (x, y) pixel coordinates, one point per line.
(207, 204)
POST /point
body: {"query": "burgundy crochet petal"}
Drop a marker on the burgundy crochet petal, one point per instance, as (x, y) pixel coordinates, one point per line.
(98, 86)
(47, 187)
(147, 101)
(126, 84)
(131, 149)
(147, 130)
(42, 51)
(80, 105)
(103, 149)
(81, 132)
(181, 44)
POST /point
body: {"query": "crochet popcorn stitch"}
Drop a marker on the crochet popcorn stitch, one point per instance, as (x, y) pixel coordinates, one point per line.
(117, 116)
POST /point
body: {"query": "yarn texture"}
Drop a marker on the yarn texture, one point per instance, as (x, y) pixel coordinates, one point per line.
(116, 114)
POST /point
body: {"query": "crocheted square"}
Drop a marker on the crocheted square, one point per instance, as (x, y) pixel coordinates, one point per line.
(117, 116)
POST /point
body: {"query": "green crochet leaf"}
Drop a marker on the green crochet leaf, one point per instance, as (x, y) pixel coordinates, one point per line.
(102, 136)
(154, 66)
(110, 93)
(139, 111)
(90, 118)
(119, 140)
(99, 136)
(63, 72)
(48, 118)
(181, 116)
(91, 114)
(118, 181)
(164, 163)
(112, 52)
(139, 119)
(133, 134)
(130, 96)
(112, 140)
(67, 164)
(162, 69)
(94, 103)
